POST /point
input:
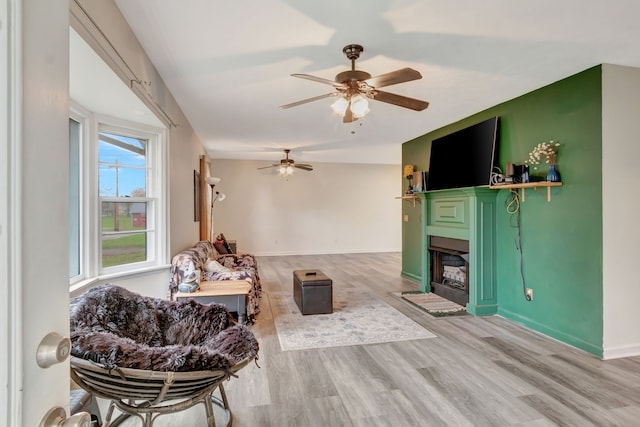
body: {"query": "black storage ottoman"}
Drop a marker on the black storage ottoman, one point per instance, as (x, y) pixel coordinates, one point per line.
(312, 291)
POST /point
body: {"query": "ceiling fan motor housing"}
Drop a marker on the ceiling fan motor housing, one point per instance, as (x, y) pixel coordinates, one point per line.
(352, 76)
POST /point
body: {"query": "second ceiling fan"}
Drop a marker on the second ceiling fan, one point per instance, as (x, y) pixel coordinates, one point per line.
(354, 87)
(287, 165)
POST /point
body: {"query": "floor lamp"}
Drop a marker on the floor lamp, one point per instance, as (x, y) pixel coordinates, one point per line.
(213, 181)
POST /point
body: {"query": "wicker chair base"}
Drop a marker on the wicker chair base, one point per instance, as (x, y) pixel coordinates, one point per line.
(148, 418)
(149, 394)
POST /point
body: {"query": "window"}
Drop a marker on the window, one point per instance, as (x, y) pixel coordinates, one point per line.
(117, 205)
(124, 205)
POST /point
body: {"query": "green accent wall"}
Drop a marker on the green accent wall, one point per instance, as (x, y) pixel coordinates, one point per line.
(412, 154)
(561, 239)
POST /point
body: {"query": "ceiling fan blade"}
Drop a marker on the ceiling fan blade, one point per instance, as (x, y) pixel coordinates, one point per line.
(318, 79)
(394, 77)
(399, 100)
(304, 101)
(303, 166)
(267, 167)
(348, 114)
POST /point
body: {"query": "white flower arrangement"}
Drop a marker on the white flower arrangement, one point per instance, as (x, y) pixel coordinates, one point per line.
(546, 151)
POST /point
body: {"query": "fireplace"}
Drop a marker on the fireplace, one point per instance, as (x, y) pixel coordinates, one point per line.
(450, 268)
(459, 226)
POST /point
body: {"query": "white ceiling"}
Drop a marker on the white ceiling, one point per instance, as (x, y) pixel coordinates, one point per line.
(228, 64)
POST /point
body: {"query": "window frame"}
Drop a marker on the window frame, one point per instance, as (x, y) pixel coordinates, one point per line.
(77, 215)
(91, 203)
(83, 117)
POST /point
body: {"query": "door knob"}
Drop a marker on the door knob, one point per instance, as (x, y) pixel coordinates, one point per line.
(57, 417)
(54, 348)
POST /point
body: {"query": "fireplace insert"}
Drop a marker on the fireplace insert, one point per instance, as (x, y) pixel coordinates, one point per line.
(450, 268)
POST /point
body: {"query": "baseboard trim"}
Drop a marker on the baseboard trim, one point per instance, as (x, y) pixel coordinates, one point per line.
(411, 276)
(325, 252)
(617, 352)
(552, 333)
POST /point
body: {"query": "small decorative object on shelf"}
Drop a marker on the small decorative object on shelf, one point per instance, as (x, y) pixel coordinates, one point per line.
(419, 181)
(552, 173)
(408, 173)
(545, 151)
(524, 177)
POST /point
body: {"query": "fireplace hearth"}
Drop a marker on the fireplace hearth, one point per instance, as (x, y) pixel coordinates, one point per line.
(450, 268)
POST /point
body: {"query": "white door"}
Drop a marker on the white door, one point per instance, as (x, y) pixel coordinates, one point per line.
(4, 215)
(34, 283)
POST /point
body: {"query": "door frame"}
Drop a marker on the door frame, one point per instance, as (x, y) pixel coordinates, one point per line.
(11, 366)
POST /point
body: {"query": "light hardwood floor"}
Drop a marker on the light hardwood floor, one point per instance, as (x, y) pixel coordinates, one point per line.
(479, 371)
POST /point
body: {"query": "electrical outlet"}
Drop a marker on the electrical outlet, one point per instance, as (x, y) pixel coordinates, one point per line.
(529, 294)
(406, 218)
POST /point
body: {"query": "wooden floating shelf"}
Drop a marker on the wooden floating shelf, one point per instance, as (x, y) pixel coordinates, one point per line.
(411, 198)
(523, 186)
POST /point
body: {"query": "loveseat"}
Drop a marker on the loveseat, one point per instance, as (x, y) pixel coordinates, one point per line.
(199, 259)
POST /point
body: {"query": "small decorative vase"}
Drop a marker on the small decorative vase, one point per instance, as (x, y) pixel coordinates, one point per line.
(552, 173)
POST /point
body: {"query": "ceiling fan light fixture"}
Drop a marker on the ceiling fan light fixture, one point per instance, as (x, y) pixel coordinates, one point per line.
(286, 170)
(340, 106)
(359, 106)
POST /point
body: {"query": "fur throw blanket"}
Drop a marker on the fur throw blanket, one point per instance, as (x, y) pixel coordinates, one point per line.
(117, 328)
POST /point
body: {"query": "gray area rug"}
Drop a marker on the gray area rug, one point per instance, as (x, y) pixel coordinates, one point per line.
(358, 318)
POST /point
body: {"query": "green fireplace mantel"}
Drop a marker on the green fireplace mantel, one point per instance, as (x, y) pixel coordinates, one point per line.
(466, 214)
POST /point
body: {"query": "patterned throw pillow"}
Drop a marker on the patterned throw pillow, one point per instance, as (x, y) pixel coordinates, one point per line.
(220, 248)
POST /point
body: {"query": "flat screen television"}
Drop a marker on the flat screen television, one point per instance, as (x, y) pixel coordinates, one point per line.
(464, 158)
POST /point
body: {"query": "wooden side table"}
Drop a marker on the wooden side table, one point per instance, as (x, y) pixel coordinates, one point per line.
(232, 293)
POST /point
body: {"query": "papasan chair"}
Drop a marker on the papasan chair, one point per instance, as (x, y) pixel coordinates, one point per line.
(151, 356)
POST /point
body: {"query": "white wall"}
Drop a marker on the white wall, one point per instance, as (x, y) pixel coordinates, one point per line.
(336, 208)
(153, 284)
(184, 157)
(621, 231)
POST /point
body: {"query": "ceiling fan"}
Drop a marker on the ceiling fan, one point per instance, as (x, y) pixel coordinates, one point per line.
(287, 165)
(353, 87)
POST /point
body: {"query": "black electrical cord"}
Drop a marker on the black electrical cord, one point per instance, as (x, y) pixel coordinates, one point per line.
(512, 204)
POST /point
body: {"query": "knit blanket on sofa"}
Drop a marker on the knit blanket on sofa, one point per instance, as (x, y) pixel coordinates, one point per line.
(117, 328)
